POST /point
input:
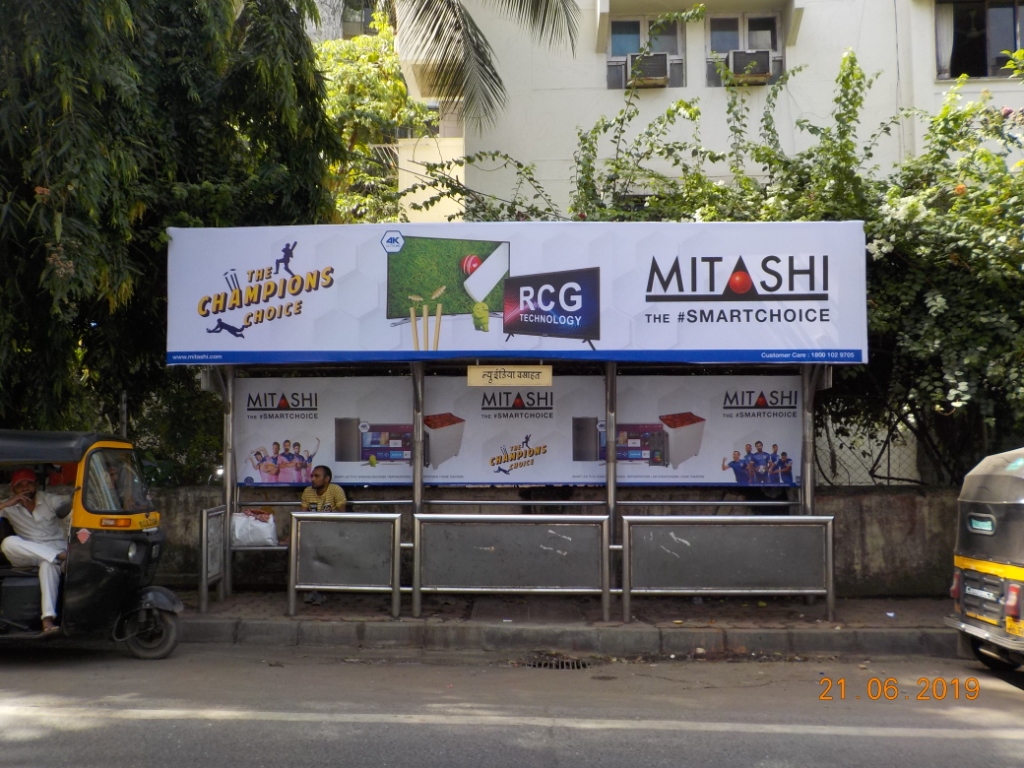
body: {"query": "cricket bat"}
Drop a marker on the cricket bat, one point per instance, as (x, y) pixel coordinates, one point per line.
(488, 274)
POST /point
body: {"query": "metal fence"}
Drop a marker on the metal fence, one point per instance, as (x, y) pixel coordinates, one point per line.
(345, 552)
(511, 554)
(849, 456)
(543, 554)
(212, 553)
(716, 555)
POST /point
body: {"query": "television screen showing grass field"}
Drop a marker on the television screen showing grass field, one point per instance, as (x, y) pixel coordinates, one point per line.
(434, 271)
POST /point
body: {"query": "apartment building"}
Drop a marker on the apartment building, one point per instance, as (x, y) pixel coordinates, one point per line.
(916, 47)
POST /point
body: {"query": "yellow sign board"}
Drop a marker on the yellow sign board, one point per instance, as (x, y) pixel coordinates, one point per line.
(508, 375)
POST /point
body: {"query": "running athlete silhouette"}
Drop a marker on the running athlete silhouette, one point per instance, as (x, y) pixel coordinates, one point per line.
(289, 252)
(503, 471)
(222, 326)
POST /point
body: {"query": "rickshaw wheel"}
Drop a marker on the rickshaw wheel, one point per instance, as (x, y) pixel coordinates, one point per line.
(152, 634)
(993, 663)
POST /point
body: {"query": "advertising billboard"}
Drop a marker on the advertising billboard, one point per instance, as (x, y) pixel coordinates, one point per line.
(649, 292)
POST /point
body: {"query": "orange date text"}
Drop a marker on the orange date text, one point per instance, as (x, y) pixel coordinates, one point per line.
(888, 689)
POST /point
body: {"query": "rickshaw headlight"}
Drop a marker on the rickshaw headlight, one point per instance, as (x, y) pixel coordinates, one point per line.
(133, 549)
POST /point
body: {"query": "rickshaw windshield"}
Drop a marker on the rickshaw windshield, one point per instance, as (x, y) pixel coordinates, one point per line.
(113, 483)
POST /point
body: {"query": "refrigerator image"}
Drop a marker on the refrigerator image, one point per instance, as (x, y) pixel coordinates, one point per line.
(586, 440)
(347, 440)
(442, 437)
(684, 433)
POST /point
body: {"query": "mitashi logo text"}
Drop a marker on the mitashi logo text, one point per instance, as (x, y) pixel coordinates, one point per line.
(754, 403)
(718, 278)
(512, 404)
(282, 405)
(270, 293)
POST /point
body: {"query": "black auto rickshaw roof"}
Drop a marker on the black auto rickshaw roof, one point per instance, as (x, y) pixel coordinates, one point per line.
(997, 479)
(18, 446)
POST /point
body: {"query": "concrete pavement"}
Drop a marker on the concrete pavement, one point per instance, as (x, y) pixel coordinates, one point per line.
(679, 626)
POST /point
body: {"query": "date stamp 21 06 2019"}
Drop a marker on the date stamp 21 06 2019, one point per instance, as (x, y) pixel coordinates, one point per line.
(888, 689)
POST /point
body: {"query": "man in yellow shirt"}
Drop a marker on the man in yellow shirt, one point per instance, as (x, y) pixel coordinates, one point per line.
(322, 495)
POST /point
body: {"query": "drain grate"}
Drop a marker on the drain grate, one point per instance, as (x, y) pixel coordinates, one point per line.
(557, 662)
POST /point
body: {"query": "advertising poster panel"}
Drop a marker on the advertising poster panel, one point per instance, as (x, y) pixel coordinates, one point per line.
(791, 292)
(672, 430)
(708, 430)
(360, 427)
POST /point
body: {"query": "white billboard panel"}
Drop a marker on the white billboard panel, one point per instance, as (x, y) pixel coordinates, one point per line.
(668, 292)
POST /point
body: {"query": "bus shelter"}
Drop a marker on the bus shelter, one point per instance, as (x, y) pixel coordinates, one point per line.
(480, 327)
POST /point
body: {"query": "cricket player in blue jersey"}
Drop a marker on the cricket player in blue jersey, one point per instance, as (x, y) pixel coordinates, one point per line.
(785, 469)
(761, 463)
(739, 468)
(773, 471)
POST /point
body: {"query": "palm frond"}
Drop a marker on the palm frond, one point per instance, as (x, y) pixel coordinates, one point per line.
(553, 21)
(456, 58)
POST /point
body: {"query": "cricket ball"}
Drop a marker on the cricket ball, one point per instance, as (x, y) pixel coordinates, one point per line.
(470, 264)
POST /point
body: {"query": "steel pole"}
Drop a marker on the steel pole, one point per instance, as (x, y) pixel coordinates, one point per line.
(293, 565)
(417, 478)
(228, 396)
(204, 560)
(808, 384)
(610, 396)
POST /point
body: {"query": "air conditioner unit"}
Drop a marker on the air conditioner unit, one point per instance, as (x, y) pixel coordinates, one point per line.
(750, 67)
(649, 71)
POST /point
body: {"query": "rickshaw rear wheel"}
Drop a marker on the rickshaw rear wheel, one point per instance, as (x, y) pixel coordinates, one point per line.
(996, 664)
(152, 634)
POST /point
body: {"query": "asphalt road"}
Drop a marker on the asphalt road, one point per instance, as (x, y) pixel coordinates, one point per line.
(227, 706)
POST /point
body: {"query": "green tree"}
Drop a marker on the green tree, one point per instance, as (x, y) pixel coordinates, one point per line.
(116, 121)
(945, 251)
(369, 106)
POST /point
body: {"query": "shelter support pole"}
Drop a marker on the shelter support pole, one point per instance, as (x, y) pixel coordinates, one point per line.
(225, 585)
(813, 378)
(808, 377)
(611, 488)
(204, 561)
(610, 395)
(417, 477)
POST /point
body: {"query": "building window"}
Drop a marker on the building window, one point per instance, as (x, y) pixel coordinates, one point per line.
(662, 66)
(970, 37)
(748, 42)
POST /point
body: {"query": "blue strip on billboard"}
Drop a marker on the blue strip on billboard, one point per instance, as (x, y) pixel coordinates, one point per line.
(711, 356)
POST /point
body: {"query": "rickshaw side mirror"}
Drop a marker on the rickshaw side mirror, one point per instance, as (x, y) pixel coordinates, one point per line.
(63, 510)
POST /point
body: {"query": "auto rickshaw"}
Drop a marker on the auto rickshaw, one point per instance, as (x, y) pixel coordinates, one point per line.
(114, 546)
(988, 560)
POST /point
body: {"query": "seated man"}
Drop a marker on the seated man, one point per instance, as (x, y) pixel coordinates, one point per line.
(39, 539)
(321, 495)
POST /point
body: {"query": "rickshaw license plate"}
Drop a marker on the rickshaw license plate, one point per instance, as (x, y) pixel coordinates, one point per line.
(1015, 627)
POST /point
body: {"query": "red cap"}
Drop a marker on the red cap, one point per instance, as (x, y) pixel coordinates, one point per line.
(20, 475)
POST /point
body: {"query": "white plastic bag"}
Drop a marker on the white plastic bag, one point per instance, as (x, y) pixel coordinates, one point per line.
(253, 528)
